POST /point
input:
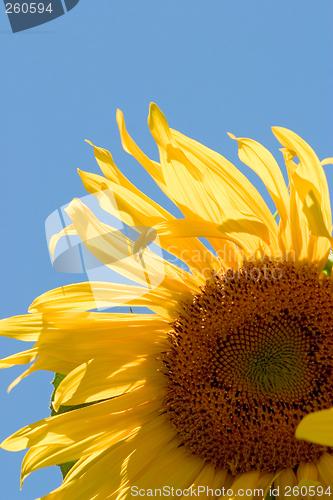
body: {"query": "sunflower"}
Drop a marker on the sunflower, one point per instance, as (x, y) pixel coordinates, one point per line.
(203, 395)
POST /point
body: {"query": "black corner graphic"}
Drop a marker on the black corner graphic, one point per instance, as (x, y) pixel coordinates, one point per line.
(24, 15)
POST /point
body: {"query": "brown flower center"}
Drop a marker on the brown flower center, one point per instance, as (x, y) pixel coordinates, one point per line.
(248, 359)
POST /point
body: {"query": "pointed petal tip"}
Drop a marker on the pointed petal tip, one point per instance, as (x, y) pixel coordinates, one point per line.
(22, 479)
(13, 384)
(281, 133)
(10, 444)
(232, 136)
(155, 113)
(153, 107)
(158, 126)
(119, 115)
(276, 130)
(89, 142)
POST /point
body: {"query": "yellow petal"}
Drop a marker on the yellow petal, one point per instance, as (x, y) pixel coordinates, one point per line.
(102, 328)
(299, 229)
(68, 339)
(182, 177)
(101, 379)
(235, 190)
(112, 172)
(154, 433)
(262, 162)
(80, 485)
(306, 484)
(21, 358)
(318, 251)
(265, 481)
(219, 478)
(106, 472)
(154, 438)
(67, 345)
(126, 203)
(117, 252)
(94, 294)
(232, 219)
(67, 231)
(317, 428)
(229, 230)
(307, 470)
(111, 247)
(177, 468)
(327, 161)
(257, 157)
(26, 327)
(67, 428)
(286, 479)
(247, 481)
(153, 168)
(45, 362)
(73, 490)
(317, 216)
(78, 338)
(204, 481)
(141, 206)
(193, 201)
(325, 469)
(135, 209)
(310, 183)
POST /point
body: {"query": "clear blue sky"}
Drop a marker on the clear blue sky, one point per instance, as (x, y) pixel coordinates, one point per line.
(212, 66)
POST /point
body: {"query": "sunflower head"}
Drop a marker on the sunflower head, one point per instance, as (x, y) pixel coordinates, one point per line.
(208, 389)
(250, 357)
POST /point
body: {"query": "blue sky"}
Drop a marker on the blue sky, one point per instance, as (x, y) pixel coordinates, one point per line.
(212, 66)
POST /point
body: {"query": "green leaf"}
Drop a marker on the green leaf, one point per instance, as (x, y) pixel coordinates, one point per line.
(328, 267)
